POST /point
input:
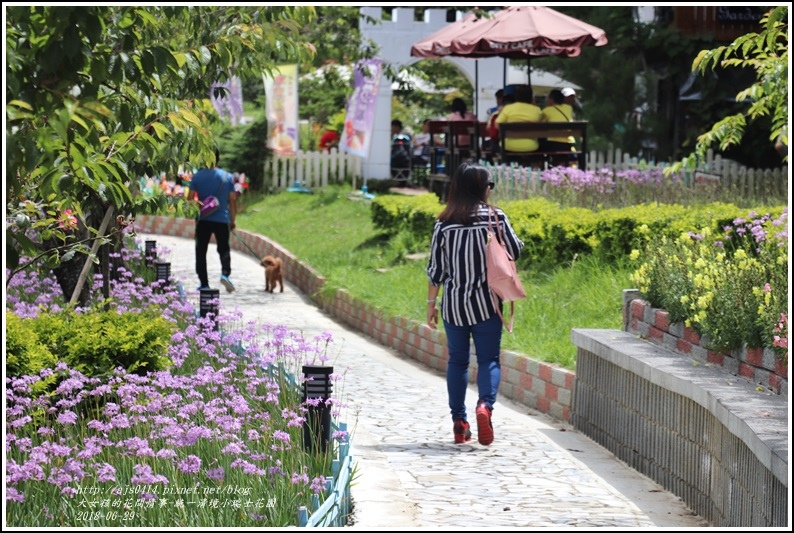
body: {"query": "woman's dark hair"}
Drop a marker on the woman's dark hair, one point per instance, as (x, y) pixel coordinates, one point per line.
(459, 106)
(466, 191)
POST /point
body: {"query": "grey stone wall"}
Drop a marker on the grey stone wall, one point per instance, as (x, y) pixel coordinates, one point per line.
(707, 436)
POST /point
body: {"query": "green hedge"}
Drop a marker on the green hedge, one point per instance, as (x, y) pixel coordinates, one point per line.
(554, 235)
(92, 343)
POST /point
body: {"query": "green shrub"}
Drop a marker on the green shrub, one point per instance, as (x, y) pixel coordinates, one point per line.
(731, 285)
(568, 235)
(96, 343)
(415, 213)
(243, 149)
(25, 354)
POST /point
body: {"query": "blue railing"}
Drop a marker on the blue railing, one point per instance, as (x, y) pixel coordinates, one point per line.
(334, 511)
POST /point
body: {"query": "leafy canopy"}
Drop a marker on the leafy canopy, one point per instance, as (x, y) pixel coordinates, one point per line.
(767, 53)
(98, 96)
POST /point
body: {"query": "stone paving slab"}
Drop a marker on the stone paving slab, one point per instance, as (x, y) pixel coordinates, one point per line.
(538, 473)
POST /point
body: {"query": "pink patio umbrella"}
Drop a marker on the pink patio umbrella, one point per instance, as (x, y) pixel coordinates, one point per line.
(514, 32)
(529, 31)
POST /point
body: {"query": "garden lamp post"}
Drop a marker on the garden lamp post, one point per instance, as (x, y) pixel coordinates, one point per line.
(151, 252)
(208, 304)
(163, 270)
(316, 393)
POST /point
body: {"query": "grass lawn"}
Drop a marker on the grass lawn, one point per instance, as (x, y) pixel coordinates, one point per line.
(332, 231)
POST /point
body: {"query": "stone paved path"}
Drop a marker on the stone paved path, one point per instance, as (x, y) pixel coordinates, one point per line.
(538, 473)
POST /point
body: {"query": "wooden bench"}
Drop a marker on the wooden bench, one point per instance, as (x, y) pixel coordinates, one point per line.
(542, 130)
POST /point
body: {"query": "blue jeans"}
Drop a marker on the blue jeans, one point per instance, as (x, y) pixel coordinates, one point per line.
(487, 337)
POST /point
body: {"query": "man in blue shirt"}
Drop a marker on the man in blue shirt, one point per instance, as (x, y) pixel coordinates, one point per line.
(220, 184)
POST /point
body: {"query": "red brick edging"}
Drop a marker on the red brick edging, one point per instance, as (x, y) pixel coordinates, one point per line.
(760, 366)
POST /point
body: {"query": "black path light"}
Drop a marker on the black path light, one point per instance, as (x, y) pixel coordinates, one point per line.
(163, 271)
(208, 303)
(150, 252)
(316, 392)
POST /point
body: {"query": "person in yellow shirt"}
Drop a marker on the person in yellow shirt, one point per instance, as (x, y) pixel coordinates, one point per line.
(557, 110)
(522, 110)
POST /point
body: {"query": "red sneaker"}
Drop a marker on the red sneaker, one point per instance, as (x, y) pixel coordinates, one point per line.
(461, 431)
(484, 426)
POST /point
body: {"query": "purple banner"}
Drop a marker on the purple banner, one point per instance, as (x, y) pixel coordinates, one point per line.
(360, 115)
(229, 106)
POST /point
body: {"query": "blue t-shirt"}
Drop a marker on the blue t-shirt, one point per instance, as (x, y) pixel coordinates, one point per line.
(214, 182)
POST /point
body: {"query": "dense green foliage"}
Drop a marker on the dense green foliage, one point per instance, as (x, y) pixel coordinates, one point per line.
(553, 234)
(94, 343)
(98, 96)
(766, 53)
(244, 150)
(24, 352)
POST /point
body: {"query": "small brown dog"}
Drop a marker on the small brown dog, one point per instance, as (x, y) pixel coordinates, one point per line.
(272, 273)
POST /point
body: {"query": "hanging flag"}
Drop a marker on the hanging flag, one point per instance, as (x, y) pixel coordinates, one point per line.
(360, 115)
(281, 91)
(230, 104)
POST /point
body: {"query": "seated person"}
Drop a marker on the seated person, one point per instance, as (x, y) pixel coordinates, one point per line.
(491, 143)
(423, 145)
(557, 110)
(459, 112)
(522, 110)
(493, 127)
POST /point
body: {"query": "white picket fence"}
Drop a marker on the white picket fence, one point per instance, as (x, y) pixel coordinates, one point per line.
(312, 170)
(715, 170)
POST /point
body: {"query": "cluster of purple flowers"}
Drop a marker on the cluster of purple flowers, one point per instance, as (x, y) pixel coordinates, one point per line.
(216, 410)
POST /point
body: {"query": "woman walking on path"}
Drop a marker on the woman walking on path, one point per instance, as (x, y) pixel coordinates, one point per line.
(457, 262)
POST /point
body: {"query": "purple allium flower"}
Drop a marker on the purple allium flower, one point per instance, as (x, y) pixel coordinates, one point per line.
(106, 473)
(120, 421)
(233, 449)
(14, 495)
(165, 453)
(145, 476)
(67, 417)
(69, 491)
(318, 484)
(216, 474)
(300, 478)
(59, 477)
(20, 422)
(281, 435)
(248, 468)
(190, 465)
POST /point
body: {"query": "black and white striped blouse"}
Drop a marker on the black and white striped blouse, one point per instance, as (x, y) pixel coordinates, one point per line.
(457, 262)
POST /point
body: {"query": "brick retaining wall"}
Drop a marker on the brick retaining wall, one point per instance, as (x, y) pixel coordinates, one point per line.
(761, 366)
